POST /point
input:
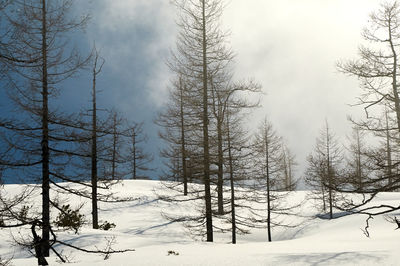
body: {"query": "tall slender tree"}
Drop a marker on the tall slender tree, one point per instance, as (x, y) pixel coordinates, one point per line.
(200, 55)
(97, 66)
(324, 168)
(377, 70)
(358, 163)
(136, 158)
(178, 121)
(35, 55)
(288, 164)
(267, 146)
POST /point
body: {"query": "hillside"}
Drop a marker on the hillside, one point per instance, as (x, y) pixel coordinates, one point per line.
(140, 225)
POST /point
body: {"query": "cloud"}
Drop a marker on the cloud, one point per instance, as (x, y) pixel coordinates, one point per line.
(290, 47)
(135, 38)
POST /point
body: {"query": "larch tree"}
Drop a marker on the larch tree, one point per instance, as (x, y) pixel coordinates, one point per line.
(265, 189)
(136, 157)
(97, 66)
(237, 154)
(267, 149)
(379, 159)
(114, 143)
(324, 169)
(201, 54)
(35, 55)
(288, 164)
(195, 121)
(178, 121)
(377, 69)
(219, 95)
(358, 160)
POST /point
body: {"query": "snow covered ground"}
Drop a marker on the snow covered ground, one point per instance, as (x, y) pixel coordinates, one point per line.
(141, 226)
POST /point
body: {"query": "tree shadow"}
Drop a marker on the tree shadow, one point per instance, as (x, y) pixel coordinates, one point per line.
(335, 215)
(141, 231)
(346, 258)
(143, 201)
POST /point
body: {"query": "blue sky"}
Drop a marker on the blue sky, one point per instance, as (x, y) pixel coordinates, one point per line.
(130, 37)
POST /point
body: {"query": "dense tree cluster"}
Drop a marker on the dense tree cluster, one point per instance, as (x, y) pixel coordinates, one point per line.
(203, 126)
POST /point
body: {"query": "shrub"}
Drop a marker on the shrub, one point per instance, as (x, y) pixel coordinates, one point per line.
(107, 226)
(69, 218)
(23, 213)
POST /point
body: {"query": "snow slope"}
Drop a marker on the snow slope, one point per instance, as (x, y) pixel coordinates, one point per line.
(140, 225)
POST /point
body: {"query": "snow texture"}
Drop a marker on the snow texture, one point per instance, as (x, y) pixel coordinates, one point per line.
(158, 241)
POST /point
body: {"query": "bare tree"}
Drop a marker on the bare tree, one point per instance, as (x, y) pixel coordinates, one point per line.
(361, 164)
(137, 158)
(178, 122)
(270, 174)
(97, 66)
(288, 163)
(324, 167)
(268, 145)
(235, 150)
(238, 164)
(201, 54)
(34, 52)
(377, 70)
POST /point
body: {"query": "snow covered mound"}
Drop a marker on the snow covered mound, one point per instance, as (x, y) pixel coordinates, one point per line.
(141, 225)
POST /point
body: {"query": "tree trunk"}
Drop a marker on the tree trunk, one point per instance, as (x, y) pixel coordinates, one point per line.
(207, 189)
(114, 150)
(329, 174)
(286, 169)
(95, 219)
(388, 151)
(268, 187)
(183, 148)
(290, 182)
(220, 181)
(134, 174)
(45, 141)
(394, 77)
(233, 215)
(359, 169)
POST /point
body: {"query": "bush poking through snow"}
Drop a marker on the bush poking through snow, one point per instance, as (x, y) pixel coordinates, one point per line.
(107, 226)
(23, 213)
(69, 218)
(171, 252)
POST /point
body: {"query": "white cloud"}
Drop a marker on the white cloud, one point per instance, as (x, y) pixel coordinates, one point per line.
(289, 46)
